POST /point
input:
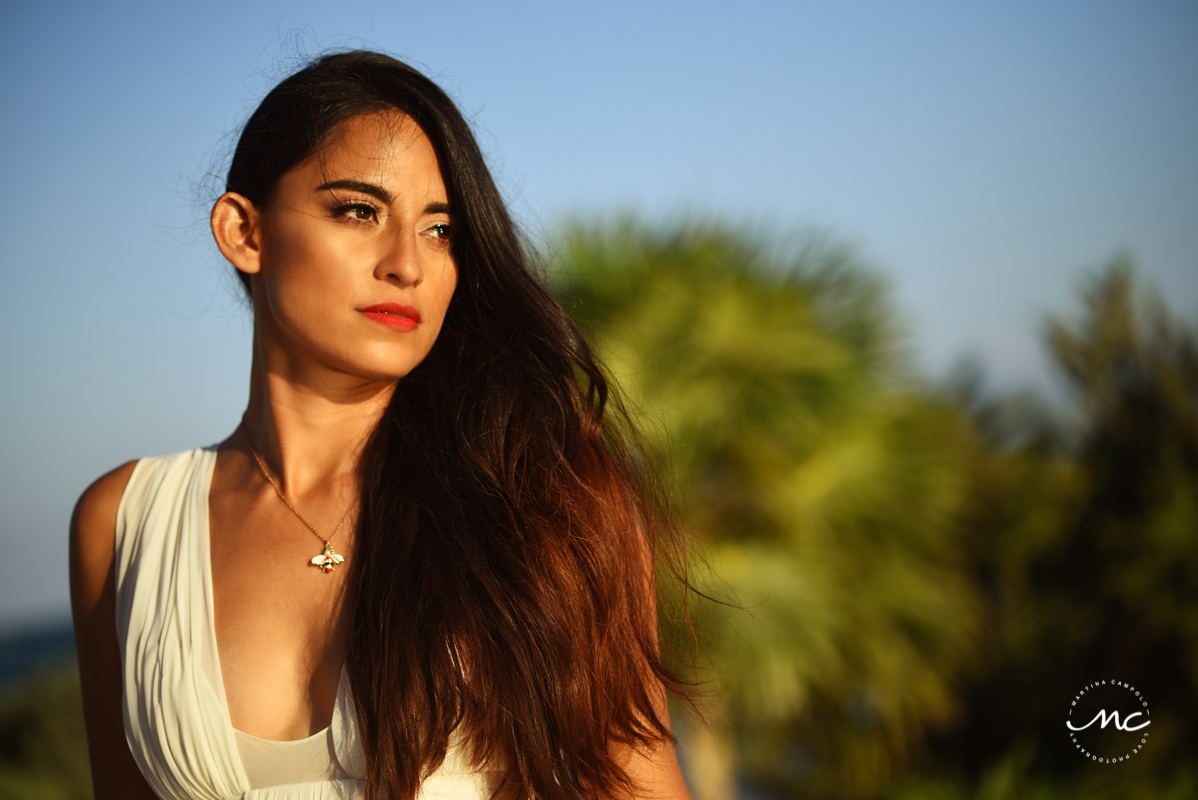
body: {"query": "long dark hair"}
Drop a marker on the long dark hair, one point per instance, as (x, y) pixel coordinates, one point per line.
(503, 576)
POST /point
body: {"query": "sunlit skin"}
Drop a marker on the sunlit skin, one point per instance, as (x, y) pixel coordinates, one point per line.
(362, 224)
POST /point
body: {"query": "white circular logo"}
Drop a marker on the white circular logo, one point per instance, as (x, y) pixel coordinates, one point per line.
(1108, 721)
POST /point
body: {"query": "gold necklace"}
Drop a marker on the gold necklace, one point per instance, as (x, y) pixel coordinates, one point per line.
(327, 560)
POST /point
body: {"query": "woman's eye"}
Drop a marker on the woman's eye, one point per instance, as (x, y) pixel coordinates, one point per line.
(358, 212)
(441, 230)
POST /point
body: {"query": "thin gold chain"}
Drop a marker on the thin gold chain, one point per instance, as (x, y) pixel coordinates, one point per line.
(274, 485)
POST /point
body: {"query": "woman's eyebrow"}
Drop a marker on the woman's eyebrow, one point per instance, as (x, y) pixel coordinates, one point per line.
(437, 208)
(377, 192)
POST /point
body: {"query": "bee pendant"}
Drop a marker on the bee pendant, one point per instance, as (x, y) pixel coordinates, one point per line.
(327, 560)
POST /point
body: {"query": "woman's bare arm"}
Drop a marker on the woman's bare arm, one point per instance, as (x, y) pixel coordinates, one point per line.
(657, 772)
(93, 606)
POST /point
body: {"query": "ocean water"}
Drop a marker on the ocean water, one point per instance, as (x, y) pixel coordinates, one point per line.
(25, 648)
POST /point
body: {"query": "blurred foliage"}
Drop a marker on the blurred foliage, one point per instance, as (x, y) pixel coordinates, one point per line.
(43, 747)
(826, 490)
(918, 578)
(927, 576)
(1086, 533)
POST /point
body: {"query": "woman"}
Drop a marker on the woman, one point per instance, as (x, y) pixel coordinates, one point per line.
(423, 562)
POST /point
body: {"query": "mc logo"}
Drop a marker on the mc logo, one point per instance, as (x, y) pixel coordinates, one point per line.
(1098, 743)
(1124, 726)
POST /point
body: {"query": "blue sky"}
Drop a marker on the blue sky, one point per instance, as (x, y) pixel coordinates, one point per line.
(984, 156)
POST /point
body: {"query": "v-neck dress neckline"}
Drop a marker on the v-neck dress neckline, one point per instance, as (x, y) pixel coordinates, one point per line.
(176, 716)
(175, 711)
(265, 762)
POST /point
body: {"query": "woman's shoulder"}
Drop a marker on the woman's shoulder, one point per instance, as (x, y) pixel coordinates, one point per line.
(97, 518)
(93, 536)
(100, 500)
(94, 521)
(95, 513)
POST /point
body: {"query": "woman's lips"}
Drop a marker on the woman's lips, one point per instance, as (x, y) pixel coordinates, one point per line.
(393, 315)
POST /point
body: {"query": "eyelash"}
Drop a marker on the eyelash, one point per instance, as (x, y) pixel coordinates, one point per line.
(345, 210)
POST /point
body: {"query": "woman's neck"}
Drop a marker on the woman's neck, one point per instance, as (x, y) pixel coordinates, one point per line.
(310, 428)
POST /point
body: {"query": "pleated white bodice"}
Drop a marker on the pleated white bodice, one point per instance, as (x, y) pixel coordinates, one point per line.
(176, 716)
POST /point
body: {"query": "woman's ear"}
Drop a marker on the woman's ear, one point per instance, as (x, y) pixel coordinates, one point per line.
(236, 226)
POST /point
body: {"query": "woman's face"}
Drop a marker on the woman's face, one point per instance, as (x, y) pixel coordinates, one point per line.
(356, 271)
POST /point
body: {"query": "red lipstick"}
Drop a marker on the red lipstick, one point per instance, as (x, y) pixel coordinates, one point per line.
(393, 315)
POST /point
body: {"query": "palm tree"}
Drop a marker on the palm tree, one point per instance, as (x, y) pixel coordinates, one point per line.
(823, 487)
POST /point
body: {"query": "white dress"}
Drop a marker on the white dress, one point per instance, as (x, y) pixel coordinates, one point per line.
(175, 713)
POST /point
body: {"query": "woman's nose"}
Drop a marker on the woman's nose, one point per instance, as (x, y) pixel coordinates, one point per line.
(401, 261)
